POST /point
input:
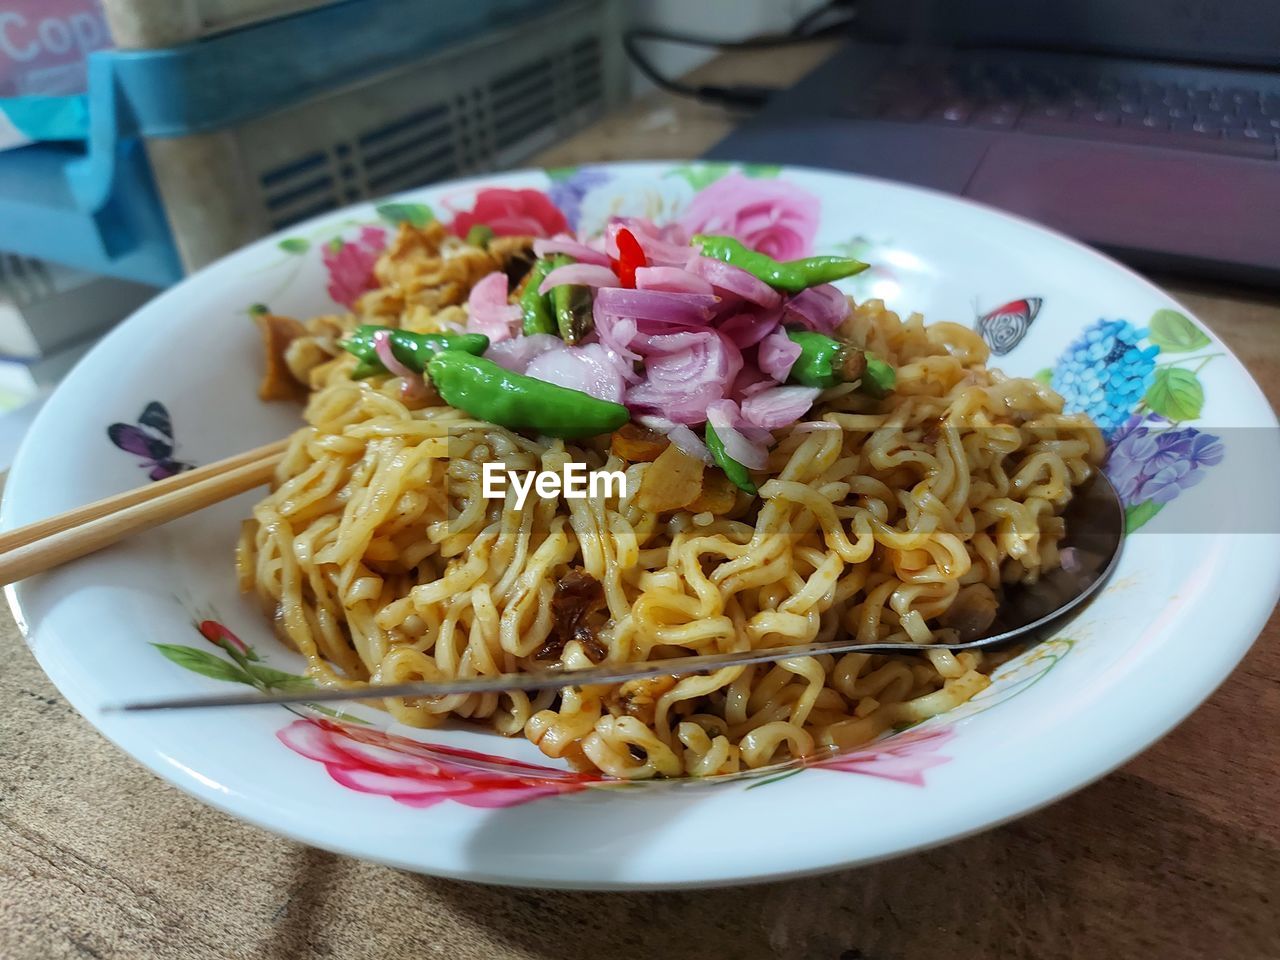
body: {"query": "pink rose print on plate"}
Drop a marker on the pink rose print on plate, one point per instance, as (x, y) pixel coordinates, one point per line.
(904, 757)
(511, 213)
(350, 264)
(771, 216)
(420, 774)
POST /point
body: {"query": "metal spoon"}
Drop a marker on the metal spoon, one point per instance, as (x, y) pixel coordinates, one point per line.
(1095, 531)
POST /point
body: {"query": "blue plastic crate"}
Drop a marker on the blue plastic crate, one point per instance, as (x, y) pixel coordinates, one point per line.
(96, 206)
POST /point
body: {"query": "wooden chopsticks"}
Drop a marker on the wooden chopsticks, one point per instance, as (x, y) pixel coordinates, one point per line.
(48, 543)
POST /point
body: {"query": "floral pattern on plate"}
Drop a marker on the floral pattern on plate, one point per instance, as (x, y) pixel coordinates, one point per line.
(350, 264)
(1117, 374)
(421, 774)
(748, 201)
(509, 213)
(904, 757)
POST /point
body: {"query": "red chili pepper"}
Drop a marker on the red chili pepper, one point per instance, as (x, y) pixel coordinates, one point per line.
(630, 256)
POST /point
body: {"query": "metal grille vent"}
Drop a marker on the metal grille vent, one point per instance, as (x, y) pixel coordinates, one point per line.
(413, 150)
(447, 117)
(299, 190)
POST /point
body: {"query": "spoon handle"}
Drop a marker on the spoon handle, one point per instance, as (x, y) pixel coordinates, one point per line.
(1095, 525)
(542, 679)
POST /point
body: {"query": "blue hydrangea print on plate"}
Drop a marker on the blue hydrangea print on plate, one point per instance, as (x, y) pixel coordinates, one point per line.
(1119, 375)
(1105, 373)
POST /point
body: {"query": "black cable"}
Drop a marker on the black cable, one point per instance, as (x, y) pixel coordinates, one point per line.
(738, 95)
(801, 27)
(741, 96)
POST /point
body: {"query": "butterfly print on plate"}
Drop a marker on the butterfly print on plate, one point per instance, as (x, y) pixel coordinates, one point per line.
(1004, 327)
(151, 439)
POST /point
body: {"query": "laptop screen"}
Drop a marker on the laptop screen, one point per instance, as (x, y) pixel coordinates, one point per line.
(1244, 32)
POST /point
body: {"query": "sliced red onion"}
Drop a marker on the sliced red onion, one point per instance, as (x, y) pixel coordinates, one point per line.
(749, 328)
(749, 382)
(382, 347)
(658, 328)
(734, 280)
(777, 354)
(684, 373)
(589, 369)
(753, 433)
(670, 343)
(687, 309)
(778, 407)
(488, 311)
(412, 386)
(670, 279)
(660, 250)
(688, 442)
(639, 226)
(724, 416)
(675, 234)
(582, 274)
(563, 243)
(623, 363)
(517, 353)
(618, 334)
(654, 422)
(821, 308)
(684, 438)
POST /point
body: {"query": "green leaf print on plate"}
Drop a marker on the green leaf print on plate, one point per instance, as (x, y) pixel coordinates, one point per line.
(204, 663)
(418, 214)
(246, 666)
(277, 679)
(1176, 394)
(1173, 332)
(702, 175)
(1140, 513)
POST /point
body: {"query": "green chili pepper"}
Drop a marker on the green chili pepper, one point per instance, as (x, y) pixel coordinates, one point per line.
(790, 275)
(735, 471)
(539, 316)
(490, 392)
(880, 378)
(411, 349)
(825, 361)
(480, 235)
(572, 305)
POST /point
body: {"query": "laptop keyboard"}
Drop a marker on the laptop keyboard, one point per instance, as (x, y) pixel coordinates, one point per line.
(1236, 120)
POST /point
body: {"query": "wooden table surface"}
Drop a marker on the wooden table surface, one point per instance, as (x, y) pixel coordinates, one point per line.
(1175, 855)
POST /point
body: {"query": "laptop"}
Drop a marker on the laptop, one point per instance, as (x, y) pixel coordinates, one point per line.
(1147, 128)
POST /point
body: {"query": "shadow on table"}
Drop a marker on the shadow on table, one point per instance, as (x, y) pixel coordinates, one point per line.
(1122, 869)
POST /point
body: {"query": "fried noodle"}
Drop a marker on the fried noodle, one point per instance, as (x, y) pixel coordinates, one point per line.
(380, 559)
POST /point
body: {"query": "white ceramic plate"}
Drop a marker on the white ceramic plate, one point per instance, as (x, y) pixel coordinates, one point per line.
(1192, 591)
